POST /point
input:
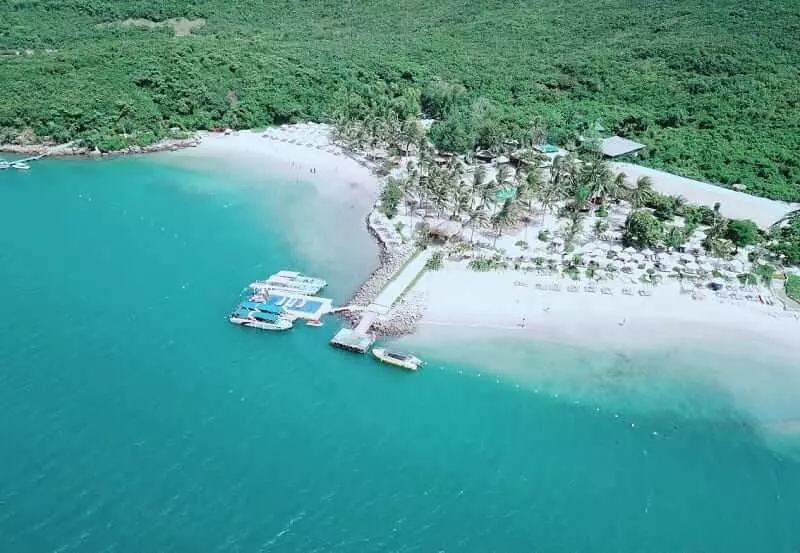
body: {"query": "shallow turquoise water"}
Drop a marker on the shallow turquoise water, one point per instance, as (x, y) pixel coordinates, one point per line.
(134, 418)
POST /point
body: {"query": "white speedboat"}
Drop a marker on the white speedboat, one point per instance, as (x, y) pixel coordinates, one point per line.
(22, 166)
(290, 281)
(5, 164)
(264, 318)
(397, 358)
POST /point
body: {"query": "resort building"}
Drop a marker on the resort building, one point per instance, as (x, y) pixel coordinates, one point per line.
(616, 146)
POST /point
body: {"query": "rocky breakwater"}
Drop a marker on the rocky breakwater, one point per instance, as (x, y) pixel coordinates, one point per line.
(71, 149)
(394, 255)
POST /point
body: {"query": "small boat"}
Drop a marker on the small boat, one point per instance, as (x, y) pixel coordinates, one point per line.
(290, 281)
(5, 164)
(260, 320)
(397, 358)
(22, 166)
(314, 322)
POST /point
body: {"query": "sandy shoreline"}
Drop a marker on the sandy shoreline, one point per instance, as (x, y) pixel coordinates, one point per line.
(512, 301)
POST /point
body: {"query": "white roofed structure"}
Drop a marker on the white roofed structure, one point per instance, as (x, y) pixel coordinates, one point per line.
(616, 146)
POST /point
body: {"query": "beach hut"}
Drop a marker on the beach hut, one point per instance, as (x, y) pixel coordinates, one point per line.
(445, 230)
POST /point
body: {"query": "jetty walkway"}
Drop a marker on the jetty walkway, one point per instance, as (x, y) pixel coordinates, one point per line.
(359, 339)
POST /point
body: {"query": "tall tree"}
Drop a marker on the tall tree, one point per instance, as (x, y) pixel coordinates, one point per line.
(477, 216)
(642, 193)
(505, 217)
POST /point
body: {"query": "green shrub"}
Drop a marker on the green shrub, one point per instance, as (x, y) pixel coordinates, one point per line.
(390, 197)
(601, 211)
(793, 286)
(481, 264)
(435, 261)
(544, 235)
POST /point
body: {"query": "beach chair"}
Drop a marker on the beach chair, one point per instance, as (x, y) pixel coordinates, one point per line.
(572, 288)
(538, 286)
(606, 291)
(627, 291)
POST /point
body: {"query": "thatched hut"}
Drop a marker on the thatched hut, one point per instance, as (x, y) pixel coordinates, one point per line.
(445, 230)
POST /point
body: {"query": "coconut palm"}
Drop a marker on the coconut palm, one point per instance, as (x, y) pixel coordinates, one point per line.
(504, 177)
(460, 198)
(504, 218)
(548, 196)
(597, 177)
(488, 193)
(599, 228)
(617, 187)
(642, 193)
(534, 182)
(478, 178)
(477, 216)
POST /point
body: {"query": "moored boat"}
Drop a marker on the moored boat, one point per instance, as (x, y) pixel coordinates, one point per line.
(5, 164)
(21, 166)
(398, 359)
(262, 316)
(290, 281)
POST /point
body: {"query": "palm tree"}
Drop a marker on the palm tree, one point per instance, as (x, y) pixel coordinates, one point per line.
(618, 187)
(548, 196)
(504, 177)
(642, 193)
(535, 182)
(599, 228)
(488, 193)
(785, 218)
(478, 179)
(597, 177)
(460, 198)
(477, 216)
(504, 218)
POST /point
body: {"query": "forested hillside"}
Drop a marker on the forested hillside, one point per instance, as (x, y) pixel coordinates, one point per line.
(711, 86)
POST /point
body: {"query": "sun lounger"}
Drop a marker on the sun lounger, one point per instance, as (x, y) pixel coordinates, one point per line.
(538, 286)
(627, 291)
(572, 288)
(606, 291)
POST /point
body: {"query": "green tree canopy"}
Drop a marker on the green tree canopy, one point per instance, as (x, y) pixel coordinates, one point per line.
(642, 230)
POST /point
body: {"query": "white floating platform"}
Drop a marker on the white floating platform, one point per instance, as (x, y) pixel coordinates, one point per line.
(310, 308)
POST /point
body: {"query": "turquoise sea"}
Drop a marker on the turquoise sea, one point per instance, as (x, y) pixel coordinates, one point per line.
(134, 418)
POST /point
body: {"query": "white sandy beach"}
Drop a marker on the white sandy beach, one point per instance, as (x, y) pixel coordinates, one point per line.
(511, 300)
(301, 151)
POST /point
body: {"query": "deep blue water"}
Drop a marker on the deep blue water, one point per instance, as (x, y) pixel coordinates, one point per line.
(133, 417)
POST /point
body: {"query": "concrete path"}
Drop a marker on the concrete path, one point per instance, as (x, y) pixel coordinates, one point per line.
(392, 292)
(733, 204)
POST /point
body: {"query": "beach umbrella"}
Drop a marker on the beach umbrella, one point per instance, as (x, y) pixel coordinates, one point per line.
(648, 252)
(686, 257)
(629, 250)
(637, 257)
(692, 266)
(707, 267)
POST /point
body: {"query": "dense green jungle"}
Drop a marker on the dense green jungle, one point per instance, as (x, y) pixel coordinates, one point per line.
(712, 87)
